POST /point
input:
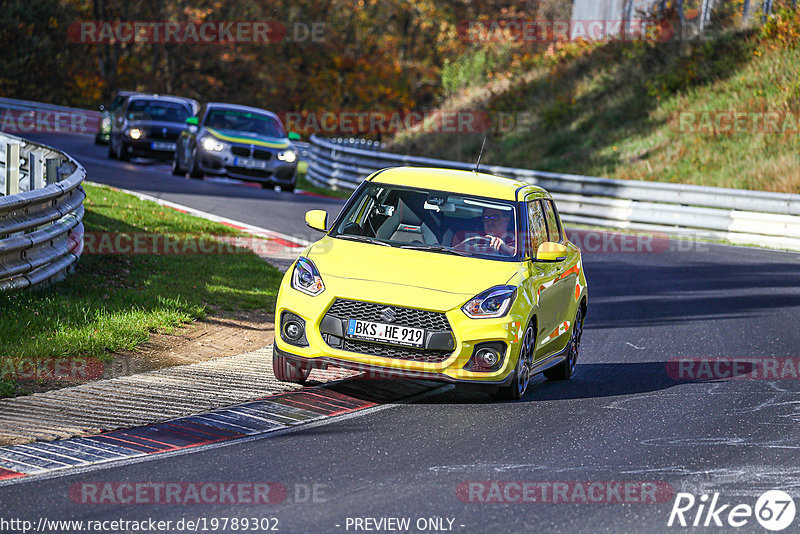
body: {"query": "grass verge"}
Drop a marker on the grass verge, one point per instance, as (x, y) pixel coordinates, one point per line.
(113, 302)
(615, 109)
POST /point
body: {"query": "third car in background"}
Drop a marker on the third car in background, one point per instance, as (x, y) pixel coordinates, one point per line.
(239, 142)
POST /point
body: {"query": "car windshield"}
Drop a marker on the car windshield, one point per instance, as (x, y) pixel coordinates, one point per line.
(155, 110)
(436, 221)
(245, 122)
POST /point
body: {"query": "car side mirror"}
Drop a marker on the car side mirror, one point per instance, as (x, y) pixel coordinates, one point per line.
(317, 219)
(551, 252)
(192, 121)
(294, 136)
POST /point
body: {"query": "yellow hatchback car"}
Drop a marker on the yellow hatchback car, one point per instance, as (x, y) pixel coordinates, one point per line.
(438, 274)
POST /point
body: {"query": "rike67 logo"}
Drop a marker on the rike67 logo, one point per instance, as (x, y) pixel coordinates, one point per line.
(774, 510)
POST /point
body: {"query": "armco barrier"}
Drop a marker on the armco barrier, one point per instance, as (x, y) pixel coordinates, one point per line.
(733, 215)
(41, 228)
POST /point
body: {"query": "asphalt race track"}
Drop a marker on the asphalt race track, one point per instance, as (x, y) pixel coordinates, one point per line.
(626, 416)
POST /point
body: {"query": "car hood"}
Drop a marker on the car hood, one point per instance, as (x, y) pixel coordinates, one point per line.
(459, 276)
(158, 130)
(232, 136)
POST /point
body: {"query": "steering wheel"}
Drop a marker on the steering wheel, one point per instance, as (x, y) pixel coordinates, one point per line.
(482, 241)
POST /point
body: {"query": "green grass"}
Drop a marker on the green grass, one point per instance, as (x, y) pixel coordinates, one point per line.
(114, 302)
(612, 110)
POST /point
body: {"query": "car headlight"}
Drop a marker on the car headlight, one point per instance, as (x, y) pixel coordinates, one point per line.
(211, 144)
(287, 155)
(490, 304)
(134, 133)
(105, 123)
(306, 278)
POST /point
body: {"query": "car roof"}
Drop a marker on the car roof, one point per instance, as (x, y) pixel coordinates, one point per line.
(237, 107)
(456, 181)
(164, 98)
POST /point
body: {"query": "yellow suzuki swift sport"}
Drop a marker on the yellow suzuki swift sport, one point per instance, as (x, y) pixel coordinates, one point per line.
(436, 274)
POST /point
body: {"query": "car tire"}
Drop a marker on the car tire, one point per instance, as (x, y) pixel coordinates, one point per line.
(565, 369)
(267, 185)
(194, 171)
(522, 372)
(177, 170)
(286, 370)
(123, 155)
(288, 188)
(111, 153)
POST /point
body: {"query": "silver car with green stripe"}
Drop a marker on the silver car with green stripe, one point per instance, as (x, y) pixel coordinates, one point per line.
(239, 142)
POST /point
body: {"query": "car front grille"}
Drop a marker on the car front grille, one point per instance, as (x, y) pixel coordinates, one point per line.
(391, 351)
(241, 151)
(262, 154)
(343, 309)
(370, 311)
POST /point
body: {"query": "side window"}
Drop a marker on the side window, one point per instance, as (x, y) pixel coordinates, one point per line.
(553, 228)
(536, 226)
(116, 104)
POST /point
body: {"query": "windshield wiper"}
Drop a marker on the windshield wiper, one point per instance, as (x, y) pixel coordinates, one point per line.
(436, 248)
(363, 238)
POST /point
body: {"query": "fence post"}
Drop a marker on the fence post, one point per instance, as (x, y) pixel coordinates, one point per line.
(12, 169)
(767, 10)
(35, 171)
(746, 11)
(53, 171)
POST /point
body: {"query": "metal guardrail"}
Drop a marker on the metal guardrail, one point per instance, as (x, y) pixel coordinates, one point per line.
(733, 215)
(41, 228)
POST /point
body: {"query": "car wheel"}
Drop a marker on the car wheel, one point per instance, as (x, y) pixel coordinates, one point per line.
(194, 170)
(111, 153)
(288, 188)
(288, 371)
(267, 185)
(522, 373)
(122, 154)
(565, 369)
(177, 170)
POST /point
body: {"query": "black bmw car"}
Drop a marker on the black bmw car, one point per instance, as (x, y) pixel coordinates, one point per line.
(147, 126)
(239, 142)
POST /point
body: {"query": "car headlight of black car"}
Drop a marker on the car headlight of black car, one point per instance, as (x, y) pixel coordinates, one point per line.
(491, 304)
(306, 278)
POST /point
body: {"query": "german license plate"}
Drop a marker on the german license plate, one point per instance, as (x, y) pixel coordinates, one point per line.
(387, 333)
(248, 163)
(162, 146)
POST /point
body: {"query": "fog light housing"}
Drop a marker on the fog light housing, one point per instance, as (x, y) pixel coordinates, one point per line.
(293, 329)
(487, 357)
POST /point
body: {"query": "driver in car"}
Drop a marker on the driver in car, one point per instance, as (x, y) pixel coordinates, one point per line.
(498, 234)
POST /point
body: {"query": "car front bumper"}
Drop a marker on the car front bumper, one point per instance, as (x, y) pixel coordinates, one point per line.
(224, 163)
(466, 334)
